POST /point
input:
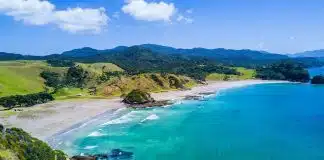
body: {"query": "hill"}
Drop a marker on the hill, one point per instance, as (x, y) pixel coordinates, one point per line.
(16, 144)
(12, 56)
(22, 77)
(315, 53)
(219, 53)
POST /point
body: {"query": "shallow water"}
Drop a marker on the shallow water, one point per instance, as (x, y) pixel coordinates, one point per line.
(268, 121)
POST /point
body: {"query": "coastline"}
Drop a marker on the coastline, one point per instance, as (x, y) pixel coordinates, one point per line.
(58, 117)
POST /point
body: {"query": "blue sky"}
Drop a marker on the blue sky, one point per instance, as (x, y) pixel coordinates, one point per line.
(280, 26)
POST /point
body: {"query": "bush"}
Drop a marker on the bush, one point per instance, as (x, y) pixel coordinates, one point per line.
(319, 79)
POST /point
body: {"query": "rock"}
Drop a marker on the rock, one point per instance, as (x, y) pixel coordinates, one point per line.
(138, 97)
(193, 98)
(120, 154)
(319, 79)
(151, 104)
(83, 158)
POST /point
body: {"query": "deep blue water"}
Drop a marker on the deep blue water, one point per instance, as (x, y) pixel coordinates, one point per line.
(316, 71)
(259, 122)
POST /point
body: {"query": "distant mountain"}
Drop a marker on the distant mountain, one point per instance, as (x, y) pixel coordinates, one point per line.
(12, 56)
(315, 53)
(151, 53)
(82, 52)
(219, 53)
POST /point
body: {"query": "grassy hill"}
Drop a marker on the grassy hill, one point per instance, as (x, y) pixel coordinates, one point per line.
(148, 82)
(22, 77)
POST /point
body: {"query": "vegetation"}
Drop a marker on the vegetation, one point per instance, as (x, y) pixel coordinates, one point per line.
(15, 144)
(319, 79)
(52, 79)
(284, 70)
(244, 74)
(106, 76)
(149, 82)
(60, 63)
(76, 77)
(25, 100)
(138, 97)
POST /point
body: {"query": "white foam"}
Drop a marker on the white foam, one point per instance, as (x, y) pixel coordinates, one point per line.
(96, 134)
(151, 117)
(90, 147)
(123, 119)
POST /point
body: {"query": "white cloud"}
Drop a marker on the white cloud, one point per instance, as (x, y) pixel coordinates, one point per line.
(149, 11)
(38, 12)
(185, 19)
(81, 20)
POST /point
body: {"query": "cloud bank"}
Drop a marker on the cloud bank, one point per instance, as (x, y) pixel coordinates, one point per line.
(37, 12)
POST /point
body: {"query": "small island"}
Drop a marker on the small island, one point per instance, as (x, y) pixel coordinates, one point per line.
(141, 99)
(319, 79)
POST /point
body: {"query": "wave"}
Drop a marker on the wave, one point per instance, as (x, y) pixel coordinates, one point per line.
(96, 134)
(151, 117)
(123, 119)
(90, 147)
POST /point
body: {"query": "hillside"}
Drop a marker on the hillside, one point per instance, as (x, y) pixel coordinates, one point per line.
(315, 53)
(147, 82)
(22, 77)
(16, 144)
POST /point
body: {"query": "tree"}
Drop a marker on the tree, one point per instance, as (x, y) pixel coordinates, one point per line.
(76, 76)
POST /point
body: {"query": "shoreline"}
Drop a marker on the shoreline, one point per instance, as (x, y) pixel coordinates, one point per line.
(48, 120)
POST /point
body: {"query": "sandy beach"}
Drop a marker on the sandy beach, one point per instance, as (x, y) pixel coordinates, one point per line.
(43, 121)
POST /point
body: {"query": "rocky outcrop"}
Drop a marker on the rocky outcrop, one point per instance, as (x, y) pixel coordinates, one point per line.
(318, 79)
(83, 158)
(138, 97)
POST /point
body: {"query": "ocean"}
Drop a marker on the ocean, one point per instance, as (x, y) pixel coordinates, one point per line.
(258, 122)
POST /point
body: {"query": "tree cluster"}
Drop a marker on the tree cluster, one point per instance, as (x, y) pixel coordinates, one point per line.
(284, 70)
(25, 100)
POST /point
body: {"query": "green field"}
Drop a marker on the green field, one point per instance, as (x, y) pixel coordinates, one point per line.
(245, 74)
(22, 77)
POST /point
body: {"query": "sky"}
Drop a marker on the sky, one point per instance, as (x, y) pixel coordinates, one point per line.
(42, 27)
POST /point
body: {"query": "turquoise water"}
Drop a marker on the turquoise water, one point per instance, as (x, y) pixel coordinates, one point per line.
(260, 122)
